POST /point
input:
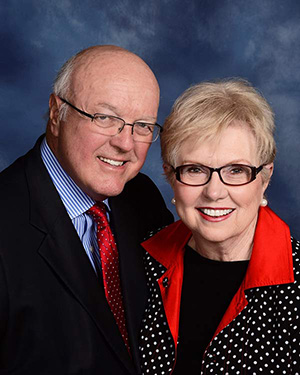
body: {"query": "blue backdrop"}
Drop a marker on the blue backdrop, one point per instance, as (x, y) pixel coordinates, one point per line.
(183, 41)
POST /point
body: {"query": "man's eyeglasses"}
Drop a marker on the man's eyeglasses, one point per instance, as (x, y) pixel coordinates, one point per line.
(233, 174)
(113, 125)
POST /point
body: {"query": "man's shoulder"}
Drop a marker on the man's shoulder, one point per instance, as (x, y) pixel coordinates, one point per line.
(17, 167)
(13, 179)
(142, 192)
(142, 199)
(138, 189)
(12, 175)
(141, 180)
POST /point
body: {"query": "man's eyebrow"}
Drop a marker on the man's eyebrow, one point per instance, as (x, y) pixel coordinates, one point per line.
(150, 120)
(112, 108)
(107, 106)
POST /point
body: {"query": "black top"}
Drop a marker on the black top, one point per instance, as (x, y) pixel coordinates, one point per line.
(208, 287)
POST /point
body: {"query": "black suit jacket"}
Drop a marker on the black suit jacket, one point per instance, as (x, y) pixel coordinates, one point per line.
(54, 318)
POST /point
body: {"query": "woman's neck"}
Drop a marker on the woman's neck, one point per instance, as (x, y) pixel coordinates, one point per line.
(232, 249)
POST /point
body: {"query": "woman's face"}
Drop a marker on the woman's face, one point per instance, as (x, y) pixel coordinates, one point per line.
(237, 206)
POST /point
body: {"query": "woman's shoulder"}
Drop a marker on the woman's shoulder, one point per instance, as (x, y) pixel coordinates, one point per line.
(296, 252)
(295, 242)
(176, 227)
(296, 263)
(168, 243)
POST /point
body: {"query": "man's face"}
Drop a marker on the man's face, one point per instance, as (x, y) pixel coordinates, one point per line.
(101, 165)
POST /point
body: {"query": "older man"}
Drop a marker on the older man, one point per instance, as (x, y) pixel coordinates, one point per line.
(72, 294)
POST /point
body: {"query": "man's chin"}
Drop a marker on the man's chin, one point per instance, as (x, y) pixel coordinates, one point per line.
(103, 194)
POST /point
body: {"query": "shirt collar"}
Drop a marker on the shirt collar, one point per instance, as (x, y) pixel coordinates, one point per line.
(74, 199)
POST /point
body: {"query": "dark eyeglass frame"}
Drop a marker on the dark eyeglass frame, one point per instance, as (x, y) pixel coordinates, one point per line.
(93, 117)
(254, 173)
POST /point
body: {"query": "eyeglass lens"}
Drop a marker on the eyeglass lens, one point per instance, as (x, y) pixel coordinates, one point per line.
(235, 174)
(109, 125)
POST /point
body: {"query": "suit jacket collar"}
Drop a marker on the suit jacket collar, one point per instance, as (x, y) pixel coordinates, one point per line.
(133, 280)
(62, 250)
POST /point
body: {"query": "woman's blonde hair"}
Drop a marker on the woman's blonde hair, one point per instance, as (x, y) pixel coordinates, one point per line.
(204, 110)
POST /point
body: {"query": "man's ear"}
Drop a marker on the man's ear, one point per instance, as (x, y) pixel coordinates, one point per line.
(54, 120)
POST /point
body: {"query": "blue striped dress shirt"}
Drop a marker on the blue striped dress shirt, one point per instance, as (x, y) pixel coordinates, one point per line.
(76, 203)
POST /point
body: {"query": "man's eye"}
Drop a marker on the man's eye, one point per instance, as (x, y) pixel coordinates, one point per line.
(144, 126)
(102, 117)
(141, 124)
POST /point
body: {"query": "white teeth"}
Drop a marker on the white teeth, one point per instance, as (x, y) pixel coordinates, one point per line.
(215, 213)
(112, 162)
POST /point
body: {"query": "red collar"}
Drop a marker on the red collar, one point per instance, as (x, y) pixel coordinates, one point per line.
(271, 261)
(270, 264)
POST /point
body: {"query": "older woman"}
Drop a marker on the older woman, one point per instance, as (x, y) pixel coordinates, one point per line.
(224, 280)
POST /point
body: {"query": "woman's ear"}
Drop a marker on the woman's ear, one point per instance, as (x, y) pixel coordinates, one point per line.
(269, 168)
(166, 168)
(169, 173)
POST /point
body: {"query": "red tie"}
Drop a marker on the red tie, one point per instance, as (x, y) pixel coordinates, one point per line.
(110, 267)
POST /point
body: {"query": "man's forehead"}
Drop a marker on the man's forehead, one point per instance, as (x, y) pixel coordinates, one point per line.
(112, 68)
(108, 62)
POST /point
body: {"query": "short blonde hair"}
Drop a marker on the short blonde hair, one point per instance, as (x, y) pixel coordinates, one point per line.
(204, 110)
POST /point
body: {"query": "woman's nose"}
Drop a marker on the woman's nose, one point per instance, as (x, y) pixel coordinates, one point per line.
(215, 189)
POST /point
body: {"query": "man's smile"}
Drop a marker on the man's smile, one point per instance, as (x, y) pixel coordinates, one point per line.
(115, 163)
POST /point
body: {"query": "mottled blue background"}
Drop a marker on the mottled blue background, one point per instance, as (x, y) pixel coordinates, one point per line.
(183, 41)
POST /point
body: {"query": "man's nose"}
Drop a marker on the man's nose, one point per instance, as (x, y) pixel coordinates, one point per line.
(124, 139)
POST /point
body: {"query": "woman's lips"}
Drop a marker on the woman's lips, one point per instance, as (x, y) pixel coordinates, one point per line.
(215, 214)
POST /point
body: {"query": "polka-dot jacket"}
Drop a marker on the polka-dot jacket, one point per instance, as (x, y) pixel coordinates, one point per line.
(260, 331)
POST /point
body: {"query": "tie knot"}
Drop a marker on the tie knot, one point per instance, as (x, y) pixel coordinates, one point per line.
(98, 212)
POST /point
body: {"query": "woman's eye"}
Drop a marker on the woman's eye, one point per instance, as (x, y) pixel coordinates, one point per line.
(238, 170)
(195, 170)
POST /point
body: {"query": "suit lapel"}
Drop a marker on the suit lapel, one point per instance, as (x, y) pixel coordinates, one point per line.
(64, 253)
(133, 281)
